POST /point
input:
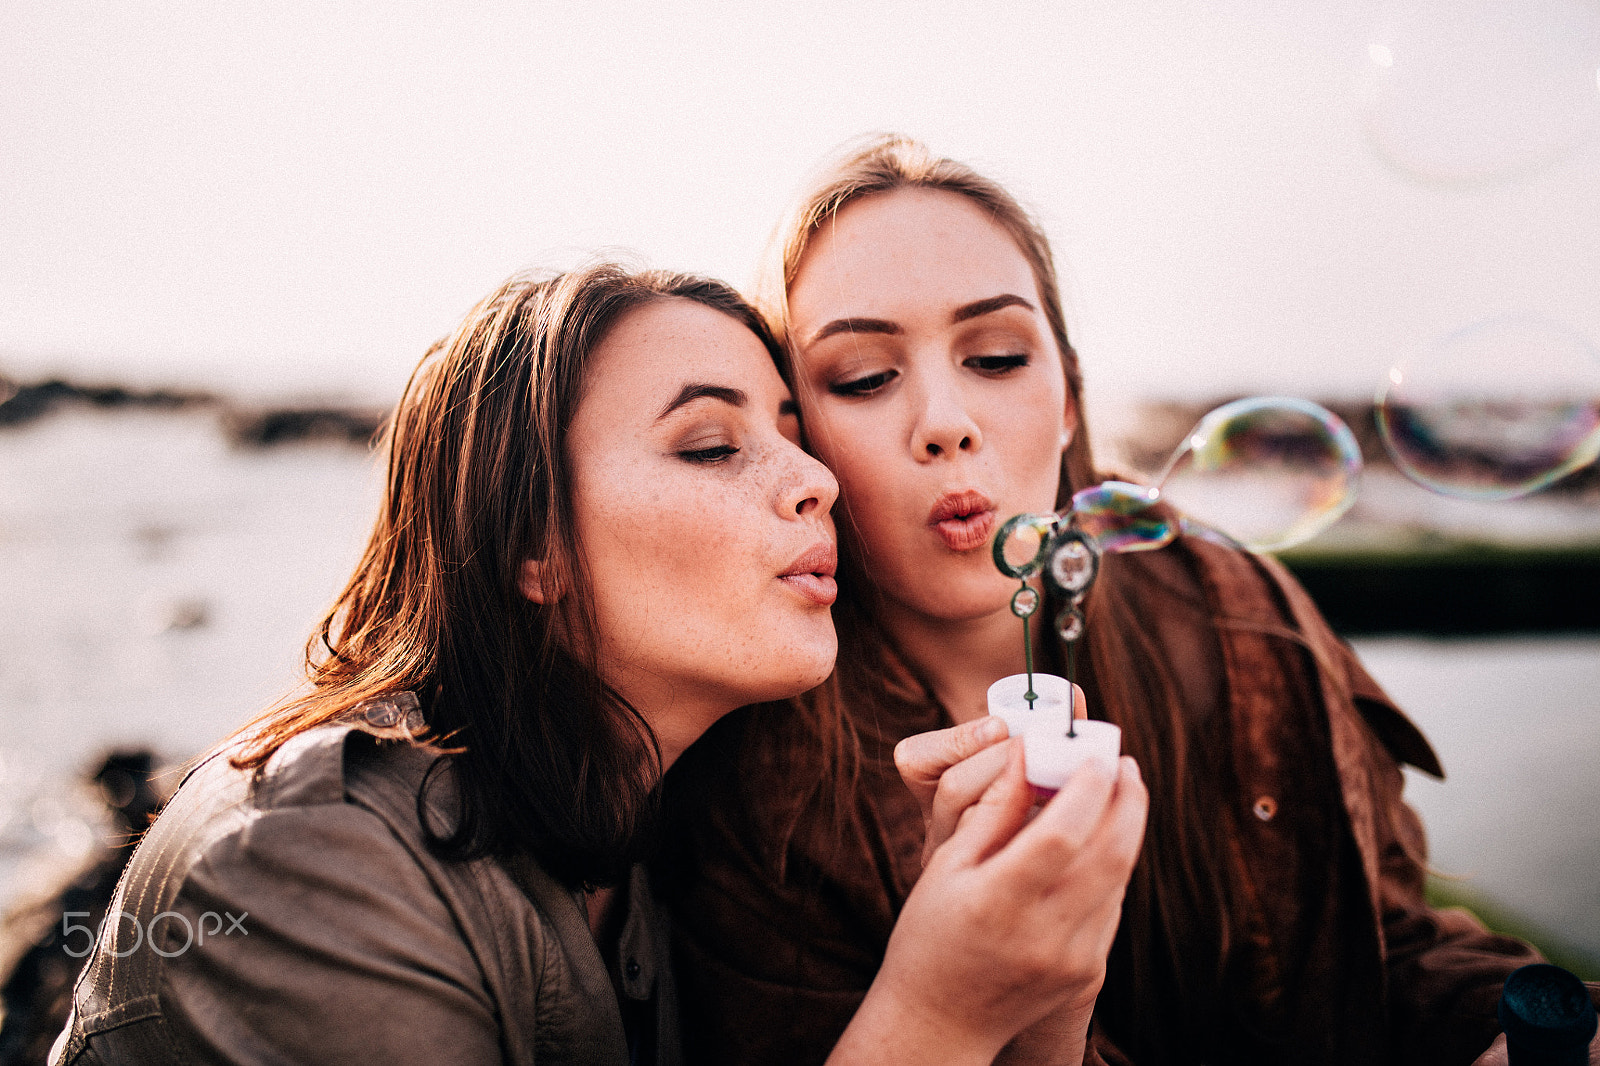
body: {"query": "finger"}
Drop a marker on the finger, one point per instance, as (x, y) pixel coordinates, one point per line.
(1079, 805)
(1498, 1054)
(1122, 832)
(1107, 857)
(986, 826)
(922, 759)
(1080, 703)
(1054, 839)
(960, 788)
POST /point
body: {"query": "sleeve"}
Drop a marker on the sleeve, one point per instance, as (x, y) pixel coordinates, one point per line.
(313, 935)
(1101, 1051)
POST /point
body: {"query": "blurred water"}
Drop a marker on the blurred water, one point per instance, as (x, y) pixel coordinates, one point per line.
(1517, 725)
(159, 584)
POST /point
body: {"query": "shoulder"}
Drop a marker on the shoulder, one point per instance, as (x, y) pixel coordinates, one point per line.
(306, 891)
(316, 767)
(333, 780)
(227, 817)
(1251, 593)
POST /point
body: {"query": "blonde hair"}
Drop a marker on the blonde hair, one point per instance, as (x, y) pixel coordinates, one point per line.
(1178, 920)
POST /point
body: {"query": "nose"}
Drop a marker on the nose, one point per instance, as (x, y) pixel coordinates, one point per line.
(810, 488)
(943, 424)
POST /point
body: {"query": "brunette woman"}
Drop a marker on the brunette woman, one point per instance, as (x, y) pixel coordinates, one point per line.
(598, 536)
(1276, 911)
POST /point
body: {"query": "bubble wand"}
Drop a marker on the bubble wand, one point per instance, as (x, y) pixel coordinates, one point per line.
(1301, 453)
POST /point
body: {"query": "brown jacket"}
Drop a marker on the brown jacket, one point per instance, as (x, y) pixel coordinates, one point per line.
(782, 919)
(298, 916)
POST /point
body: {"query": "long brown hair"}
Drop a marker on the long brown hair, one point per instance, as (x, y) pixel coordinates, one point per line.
(546, 758)
(1176, 914)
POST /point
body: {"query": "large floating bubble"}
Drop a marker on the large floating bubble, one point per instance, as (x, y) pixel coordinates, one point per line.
(1269, 471)
(1461, 91)
(1122, 517)
(1494, 411)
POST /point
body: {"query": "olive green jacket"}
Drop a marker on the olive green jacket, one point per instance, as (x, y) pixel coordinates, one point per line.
(297, 915)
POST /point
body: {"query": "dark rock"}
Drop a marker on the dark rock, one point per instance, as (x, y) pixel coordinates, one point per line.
(25, 403)
(37, 990)
(263, 429)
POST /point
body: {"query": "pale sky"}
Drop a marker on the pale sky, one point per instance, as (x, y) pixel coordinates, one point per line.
(294, 199)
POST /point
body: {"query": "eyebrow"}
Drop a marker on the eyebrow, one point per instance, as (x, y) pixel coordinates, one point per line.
(855, 325)
(961, 314)
(701, 391)
(989, 306)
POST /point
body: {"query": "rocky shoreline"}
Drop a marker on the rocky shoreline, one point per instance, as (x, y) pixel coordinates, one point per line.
(245, 425)
(1156, 427)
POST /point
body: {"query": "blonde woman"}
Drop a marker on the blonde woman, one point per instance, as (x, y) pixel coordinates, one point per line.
(1275, 912)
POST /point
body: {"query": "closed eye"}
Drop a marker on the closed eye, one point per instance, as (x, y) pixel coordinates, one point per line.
(716, 454)
(863, 386)
(998, 364)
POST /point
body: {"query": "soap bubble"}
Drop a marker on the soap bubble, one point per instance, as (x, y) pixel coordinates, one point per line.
(1122, 517)
(1461, 91)
(1494, 411)
(1270, 472)
(1264, 473)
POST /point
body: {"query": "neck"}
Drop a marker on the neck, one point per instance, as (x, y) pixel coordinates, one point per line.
(672, 745)
(960, 659)
(678, 722)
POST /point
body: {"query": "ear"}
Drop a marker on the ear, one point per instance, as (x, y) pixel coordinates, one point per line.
(539, 582)
(1069, 422)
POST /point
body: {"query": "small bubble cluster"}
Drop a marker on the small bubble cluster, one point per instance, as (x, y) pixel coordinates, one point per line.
(1263, 473)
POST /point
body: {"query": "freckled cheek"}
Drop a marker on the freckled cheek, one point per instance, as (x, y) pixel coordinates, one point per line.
(704, 541)
(629, 527)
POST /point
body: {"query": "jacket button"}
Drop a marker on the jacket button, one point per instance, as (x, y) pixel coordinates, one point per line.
(632, 969)
(381, 713)
(1265, 808)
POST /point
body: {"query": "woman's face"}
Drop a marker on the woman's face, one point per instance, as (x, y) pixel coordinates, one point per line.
(704, 528)
(932, 386)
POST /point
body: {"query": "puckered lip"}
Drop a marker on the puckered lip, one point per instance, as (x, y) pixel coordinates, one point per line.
(821, 558)
(963, 520)
(811, 575)
(964, 504)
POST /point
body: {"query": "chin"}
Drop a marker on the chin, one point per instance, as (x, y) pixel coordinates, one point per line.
(794, 669)
(965, 597)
